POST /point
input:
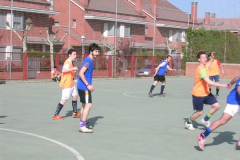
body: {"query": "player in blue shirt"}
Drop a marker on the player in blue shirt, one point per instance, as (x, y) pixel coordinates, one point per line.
(160, 75)
(85, 86)
(232, 107)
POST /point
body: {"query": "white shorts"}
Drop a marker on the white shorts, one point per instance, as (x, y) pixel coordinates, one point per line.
(232, 109)
(67, 92)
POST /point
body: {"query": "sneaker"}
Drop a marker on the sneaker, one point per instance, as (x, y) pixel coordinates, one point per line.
(189, 126)
(57, 117)
(217, 96)
(206, 123)
(150, 94)
(76, 115)
(201, 141)
(238, 143)
(163, 95)
(85, 130)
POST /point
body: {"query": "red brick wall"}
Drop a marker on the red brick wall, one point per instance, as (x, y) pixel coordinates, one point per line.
(230, 70)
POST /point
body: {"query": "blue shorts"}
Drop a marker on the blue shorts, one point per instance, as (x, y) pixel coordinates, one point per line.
(216, 78)
(199, 101)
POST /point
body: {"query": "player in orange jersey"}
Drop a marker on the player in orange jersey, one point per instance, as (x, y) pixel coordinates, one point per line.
(214, 71)
(201, 94)
(68, 87)
(55, 75)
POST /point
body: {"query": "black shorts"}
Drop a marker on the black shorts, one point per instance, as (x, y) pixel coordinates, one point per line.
(199, 101)
(85, 96)
(159, 78)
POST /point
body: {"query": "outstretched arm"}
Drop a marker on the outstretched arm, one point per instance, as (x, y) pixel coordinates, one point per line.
(206, 79)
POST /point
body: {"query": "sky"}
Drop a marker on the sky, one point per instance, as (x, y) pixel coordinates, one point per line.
(221, 8)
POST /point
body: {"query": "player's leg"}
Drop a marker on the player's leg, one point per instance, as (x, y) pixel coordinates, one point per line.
(75, 113)
(198, 107)
(229, 112)
(86, 99)
(156, 80)
(163, 86)
(217, 88)
(211, 78)
(211, 100)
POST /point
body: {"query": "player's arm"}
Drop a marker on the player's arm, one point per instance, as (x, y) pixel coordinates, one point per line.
(83, 78)
(219, 64)
(170, 69)
(159, 66)
(203, 75)
(67, 69)
(238, 90)
(234, 80)
(210, 61)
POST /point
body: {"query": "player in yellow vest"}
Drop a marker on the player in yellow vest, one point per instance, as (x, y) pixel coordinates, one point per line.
(201, 94)
(214, 71)
(68, 87)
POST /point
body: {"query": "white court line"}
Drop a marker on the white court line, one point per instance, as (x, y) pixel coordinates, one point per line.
(78, 155)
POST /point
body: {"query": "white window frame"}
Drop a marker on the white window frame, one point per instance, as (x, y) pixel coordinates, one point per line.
(120, 32)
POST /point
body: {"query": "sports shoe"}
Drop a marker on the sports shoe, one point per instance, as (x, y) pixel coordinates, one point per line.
(150, 94)
(189, 126)
(206, 123)
(201, 141)
(76, 115)
(163, 95)
(57, 117)
(85, 130)
(238, 143)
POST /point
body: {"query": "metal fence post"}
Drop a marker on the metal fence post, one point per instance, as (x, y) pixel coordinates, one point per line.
(110, 66)
(25, 66)
(132, 66)
(57, 61)
(152, 65)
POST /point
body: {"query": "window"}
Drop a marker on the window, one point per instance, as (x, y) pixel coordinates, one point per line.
(177, 35)
(17, 53)
(201, 24)
(3, 17)
(56, 23)
(51, 7)
(212, 23)
(123, 30)
(74, 24)
(146, 30)
(2, 55)
(221, 23)
(18, 21)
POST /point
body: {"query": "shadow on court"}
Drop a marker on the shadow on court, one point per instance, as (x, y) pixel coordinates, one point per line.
(2, 117)
(222, 137)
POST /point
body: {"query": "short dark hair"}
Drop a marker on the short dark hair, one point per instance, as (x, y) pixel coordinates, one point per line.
(92, 47)
(54, 67)
(199, 54)
(70, 51)
(169, 56)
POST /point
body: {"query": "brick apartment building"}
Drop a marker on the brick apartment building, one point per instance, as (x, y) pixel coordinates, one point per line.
(95, 21)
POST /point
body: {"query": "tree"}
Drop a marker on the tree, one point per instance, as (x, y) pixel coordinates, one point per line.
(28, 27)
(51, 43)
(168, 47)
(109, 45)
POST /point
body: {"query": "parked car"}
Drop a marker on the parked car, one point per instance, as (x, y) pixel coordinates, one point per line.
(146, 70)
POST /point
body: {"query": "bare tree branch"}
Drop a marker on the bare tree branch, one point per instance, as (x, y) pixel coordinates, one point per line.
(40, 32)
(64, 36)
(7, 23)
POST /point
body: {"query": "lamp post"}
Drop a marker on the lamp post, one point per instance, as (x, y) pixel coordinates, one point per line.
(82, 39)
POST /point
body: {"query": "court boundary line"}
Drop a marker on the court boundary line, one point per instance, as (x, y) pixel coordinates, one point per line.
(76, 153)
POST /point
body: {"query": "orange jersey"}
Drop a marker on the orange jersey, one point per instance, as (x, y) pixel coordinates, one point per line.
(54, 73)
(200, 88)
(214, 69)
(67, 77)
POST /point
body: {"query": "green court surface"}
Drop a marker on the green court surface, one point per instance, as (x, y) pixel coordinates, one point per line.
(128, 124)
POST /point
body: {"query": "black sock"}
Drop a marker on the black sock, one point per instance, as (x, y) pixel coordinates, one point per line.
(74, 105)
(217, 90)
(162, 88)
(152, 87)
(59, 108)
(210, 90)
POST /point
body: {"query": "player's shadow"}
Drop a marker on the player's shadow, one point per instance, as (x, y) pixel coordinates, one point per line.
(196, 124)
(2, 117)
(222, 137)
(68, 114)
(92, 121)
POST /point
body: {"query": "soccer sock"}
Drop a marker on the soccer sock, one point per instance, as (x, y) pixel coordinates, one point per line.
(74, 105)
(82, 123)
(207, 117)
(162, 88)
(210, 90)
(59, 108)
(205, 133)
(217, 90)
(189, 121)
(152, 87)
